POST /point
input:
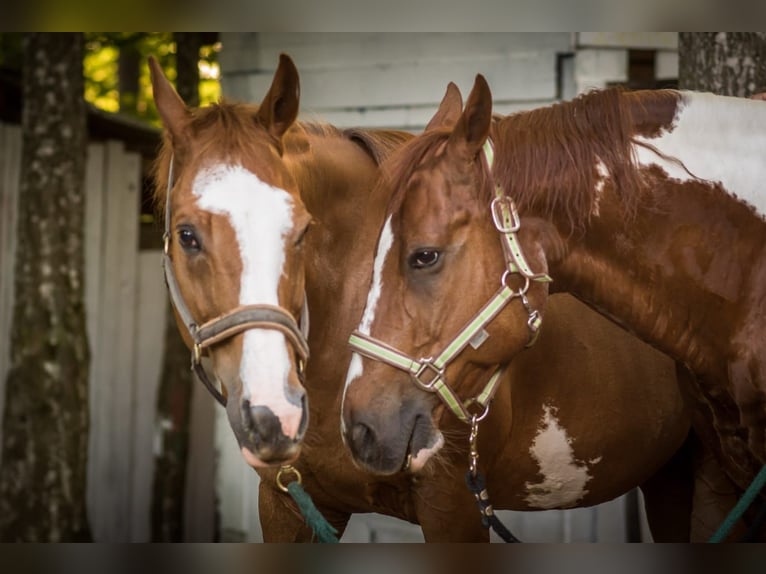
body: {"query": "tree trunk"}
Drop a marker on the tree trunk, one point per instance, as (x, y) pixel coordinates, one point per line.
(725, 63)
(176, 384)
(45, 432)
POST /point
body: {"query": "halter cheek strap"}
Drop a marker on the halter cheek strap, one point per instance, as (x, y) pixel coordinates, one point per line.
(507, 222)
(232, 322)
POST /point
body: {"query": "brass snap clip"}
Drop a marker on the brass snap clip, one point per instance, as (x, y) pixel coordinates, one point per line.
(287, 469)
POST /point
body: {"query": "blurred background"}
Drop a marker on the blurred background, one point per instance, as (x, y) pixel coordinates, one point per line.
(105, 435)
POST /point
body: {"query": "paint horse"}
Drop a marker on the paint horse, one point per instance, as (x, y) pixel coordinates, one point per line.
(331, 175)
(647, 206)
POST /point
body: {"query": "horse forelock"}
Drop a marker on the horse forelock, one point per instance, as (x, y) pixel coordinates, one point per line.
(552, 160)
(399, 168)
(229, 131)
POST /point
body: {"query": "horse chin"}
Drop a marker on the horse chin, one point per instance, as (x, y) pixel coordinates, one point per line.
(417, 459)
(257, 461)
(262, 442)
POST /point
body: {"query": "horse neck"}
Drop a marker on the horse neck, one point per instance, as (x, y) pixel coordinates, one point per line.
(337, 178)
(334, 176)
(675, 272)
(669, 259)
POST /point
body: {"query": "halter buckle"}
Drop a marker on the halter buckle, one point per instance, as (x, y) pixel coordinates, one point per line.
(426, 365)
(501, 207)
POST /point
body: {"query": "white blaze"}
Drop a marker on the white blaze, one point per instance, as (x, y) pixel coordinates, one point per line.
(718, 139)
(355, 367)
(564, 480)
(261, 216)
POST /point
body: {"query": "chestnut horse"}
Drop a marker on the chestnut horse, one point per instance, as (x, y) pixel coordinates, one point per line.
(646, 206)
(330, 175)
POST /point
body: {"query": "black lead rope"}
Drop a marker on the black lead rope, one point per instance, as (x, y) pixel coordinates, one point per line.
(478, 488)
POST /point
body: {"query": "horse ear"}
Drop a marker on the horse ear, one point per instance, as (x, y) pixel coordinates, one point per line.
(472, 127)
(279, 108)
(173, 112)
(449, 109)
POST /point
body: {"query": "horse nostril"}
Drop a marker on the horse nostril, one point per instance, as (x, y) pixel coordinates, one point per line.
(362, 437)
(247, 420)
(304, 423)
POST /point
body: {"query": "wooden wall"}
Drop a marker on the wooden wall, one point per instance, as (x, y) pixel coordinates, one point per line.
(125, 300)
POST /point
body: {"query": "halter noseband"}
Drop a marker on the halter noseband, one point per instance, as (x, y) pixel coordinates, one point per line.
(506, 220)
(231, 323)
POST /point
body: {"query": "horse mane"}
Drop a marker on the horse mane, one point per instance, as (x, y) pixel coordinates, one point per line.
(546, 159)
(221, 129)
(549, 157)
(378, 143)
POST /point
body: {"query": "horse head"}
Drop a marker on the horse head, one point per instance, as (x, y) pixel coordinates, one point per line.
(234, 226)
(428, 331)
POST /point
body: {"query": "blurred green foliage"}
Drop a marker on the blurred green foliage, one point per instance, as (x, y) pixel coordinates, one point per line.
(101, 67)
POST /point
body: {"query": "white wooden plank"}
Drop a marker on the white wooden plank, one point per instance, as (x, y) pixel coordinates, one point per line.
(408, 117)
(594, 68)
(524, 77)
(95, 219)
(94, 231)
(638, 40)
(380, 528)
(247, 52)
(95, 228)
(10, 170)
(111, 410)
(124, 367)
(151, 316)
(666, 65)
(236, 487)
(200, 500)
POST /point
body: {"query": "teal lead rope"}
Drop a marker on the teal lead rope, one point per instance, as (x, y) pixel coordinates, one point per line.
(739, 509)
(324, 531)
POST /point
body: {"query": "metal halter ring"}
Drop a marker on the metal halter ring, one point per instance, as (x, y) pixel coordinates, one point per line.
(427, 364)
(287, 469)
(475, 418)
(521, 291)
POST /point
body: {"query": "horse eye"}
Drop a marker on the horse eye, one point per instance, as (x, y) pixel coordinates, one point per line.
(424, 258)
(302, 235)
(188, 240)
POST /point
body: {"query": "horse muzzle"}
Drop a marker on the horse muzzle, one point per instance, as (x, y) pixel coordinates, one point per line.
(263, 438)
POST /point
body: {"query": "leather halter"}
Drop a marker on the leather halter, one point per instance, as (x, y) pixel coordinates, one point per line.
(232, 322)
(507, 222)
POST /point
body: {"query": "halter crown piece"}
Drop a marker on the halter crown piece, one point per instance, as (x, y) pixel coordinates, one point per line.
(507, 222)
(232, 322)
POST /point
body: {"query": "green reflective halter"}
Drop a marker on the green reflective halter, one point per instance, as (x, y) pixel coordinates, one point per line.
(428, 373)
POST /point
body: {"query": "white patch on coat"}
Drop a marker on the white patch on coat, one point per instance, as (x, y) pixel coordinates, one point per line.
(261, 217)
(719, 139)
(603, 176)
(564, 479)
(355, 367)
(420, 458)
